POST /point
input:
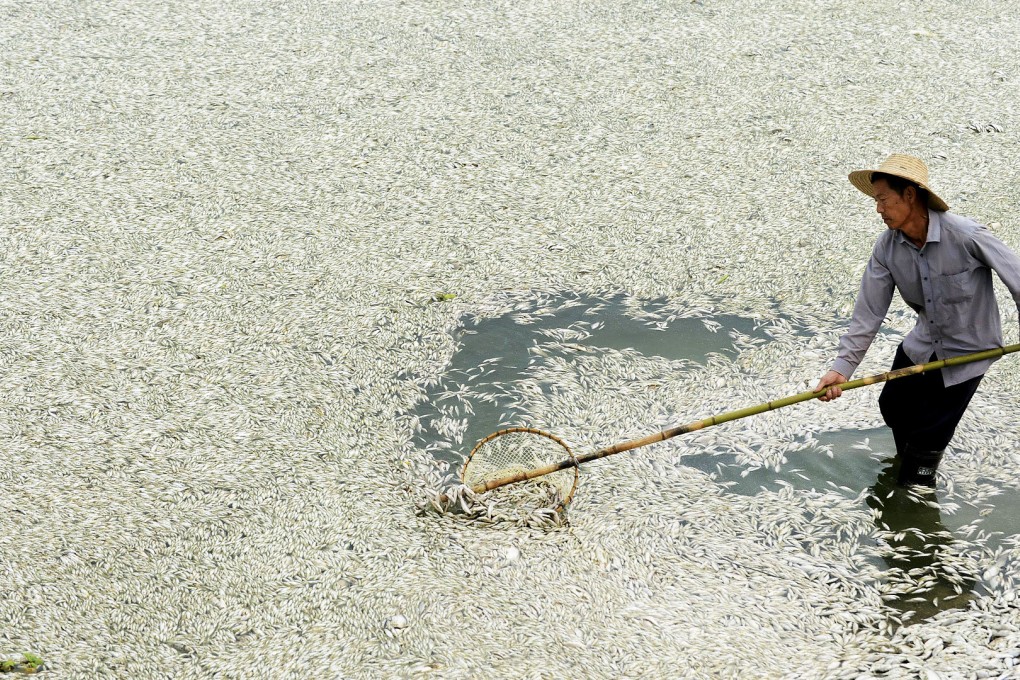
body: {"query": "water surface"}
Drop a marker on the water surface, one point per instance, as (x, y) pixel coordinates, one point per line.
(478, 394)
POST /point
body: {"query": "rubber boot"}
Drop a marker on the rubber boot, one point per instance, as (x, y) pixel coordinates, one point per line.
(919, 466)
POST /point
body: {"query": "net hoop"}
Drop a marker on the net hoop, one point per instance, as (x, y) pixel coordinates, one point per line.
(534, 431)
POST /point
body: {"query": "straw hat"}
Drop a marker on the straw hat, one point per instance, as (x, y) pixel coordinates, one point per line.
(903, 166)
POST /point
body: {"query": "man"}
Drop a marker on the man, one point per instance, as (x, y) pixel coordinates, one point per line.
(941, 264)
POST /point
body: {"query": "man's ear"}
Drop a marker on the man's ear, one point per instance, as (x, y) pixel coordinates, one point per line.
(910, 194)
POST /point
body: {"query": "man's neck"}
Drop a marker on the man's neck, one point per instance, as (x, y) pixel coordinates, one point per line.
(916, 229)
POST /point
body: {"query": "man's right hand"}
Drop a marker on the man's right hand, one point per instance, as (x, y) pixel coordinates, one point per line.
(831, 380)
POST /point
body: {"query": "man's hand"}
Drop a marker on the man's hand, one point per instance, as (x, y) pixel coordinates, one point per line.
(831, 380)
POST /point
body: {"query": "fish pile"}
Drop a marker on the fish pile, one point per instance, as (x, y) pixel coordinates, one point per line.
(240, 243)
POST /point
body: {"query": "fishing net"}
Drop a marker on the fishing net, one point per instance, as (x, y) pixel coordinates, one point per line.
(518, 453)
(521, 454)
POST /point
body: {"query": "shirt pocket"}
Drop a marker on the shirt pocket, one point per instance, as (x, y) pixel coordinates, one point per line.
(957, 288)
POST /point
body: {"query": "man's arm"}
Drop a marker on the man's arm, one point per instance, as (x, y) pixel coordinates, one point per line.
(869, 312)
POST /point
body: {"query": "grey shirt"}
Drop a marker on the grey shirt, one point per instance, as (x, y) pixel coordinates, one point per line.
(948, 282)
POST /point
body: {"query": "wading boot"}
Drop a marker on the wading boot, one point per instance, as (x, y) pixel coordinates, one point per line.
(919, 466)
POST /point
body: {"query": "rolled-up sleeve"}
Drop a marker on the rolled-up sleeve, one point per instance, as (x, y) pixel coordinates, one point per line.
(870, 309)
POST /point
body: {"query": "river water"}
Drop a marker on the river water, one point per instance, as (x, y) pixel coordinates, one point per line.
(479, 393)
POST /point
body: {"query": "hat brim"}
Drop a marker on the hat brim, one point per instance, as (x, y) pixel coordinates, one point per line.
(862, 180)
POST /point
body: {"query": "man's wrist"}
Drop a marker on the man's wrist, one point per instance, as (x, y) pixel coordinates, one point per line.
(843, 367)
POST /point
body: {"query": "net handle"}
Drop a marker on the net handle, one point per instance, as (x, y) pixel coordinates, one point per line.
(742, 413)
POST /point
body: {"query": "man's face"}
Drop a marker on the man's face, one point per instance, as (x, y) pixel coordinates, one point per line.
(893, 208)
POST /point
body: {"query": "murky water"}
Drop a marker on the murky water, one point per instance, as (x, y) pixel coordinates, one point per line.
(480, 394)
(494, 354)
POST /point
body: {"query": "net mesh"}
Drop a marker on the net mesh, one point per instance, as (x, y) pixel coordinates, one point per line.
(508, 452)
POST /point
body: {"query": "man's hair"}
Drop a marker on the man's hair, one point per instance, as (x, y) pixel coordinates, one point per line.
(899, 185)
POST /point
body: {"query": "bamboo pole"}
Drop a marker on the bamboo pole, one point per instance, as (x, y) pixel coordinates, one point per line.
(740, 413)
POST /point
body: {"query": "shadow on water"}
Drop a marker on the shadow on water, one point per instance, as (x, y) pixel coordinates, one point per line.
(915, 530)
(479, 393)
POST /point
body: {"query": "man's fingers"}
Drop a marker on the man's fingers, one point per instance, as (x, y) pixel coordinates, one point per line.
(831, 380)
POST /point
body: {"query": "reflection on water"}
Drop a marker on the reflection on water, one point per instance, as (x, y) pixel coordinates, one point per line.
(480, 393)
(910, 521)
(916, 532)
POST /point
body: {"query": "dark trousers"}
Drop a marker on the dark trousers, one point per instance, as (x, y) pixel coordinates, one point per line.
(920, 409)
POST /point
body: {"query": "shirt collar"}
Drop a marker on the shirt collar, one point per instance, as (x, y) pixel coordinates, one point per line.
(934, 229)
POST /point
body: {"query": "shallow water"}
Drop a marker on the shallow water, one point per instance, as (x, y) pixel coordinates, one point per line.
(494, 353)
(478, 395)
